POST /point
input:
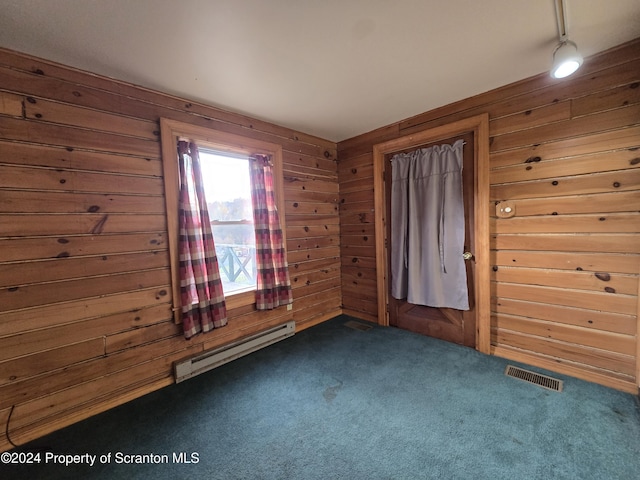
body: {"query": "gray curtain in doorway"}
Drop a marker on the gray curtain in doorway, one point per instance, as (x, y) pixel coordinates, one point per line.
(427, 227)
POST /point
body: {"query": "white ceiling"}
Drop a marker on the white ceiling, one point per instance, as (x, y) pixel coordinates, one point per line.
(331, 68)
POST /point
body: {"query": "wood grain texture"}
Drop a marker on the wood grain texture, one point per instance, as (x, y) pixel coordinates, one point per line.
(77, 147)
(613, 342)
(560, 314)
(65, 114)
(85, 292)
(567, 156)
(11, 104)
(75, 159)
(590, 262)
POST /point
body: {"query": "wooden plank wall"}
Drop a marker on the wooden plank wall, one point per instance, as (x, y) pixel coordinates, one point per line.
(85, 319)
(565, 268)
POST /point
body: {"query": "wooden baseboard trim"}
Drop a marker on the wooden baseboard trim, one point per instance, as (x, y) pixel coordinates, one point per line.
(303, 325)
(564, 368)
(360, 315)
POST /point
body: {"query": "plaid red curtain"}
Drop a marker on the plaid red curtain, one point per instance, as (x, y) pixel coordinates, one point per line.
(202, 298)
(273, 283)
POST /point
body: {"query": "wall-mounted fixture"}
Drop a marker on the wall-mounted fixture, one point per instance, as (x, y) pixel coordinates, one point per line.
(506, 209)
(566, 58)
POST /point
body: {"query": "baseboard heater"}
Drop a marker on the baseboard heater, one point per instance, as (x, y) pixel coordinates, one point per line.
(185, 369)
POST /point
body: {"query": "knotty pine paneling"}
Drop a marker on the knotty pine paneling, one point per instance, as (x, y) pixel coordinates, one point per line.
(574, 127)
(36, 294)
(83, 374)
(65, 114)
(85, 294)
(559, 314)
(58, 157)
(571, 243)
(33, 341)
(567, 166)
(565, 267)
(581, 262)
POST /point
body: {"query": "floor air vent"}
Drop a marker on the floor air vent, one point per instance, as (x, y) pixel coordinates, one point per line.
(537, 379)
(358, 326)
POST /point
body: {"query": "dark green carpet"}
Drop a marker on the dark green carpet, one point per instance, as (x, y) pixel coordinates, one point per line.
(337, 403)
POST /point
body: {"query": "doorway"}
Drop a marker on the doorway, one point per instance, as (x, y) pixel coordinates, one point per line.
(450, 324)
(472, 327)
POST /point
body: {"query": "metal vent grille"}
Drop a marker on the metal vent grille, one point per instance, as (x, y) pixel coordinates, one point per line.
(543, 381)
(358, 326)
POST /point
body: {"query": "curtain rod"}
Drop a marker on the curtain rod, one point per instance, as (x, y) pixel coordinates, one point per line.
(420, 148)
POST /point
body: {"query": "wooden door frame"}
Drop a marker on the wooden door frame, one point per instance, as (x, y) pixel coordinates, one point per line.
(479, 125)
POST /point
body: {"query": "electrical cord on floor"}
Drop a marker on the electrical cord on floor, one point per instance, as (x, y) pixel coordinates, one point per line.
(6, 431)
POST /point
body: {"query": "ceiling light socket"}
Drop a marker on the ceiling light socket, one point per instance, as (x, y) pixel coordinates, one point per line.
(566, 58)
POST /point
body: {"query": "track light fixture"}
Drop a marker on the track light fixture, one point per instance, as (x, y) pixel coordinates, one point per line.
(566, 58)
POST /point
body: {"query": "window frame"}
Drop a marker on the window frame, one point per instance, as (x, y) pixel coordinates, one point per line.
(170, 132)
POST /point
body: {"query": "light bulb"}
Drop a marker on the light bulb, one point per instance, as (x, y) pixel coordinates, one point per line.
(566, 59)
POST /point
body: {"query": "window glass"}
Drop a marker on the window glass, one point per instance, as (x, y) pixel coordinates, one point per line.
(228, 192)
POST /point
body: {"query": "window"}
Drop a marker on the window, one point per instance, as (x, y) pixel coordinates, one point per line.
(224, 158)
(228, 191)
